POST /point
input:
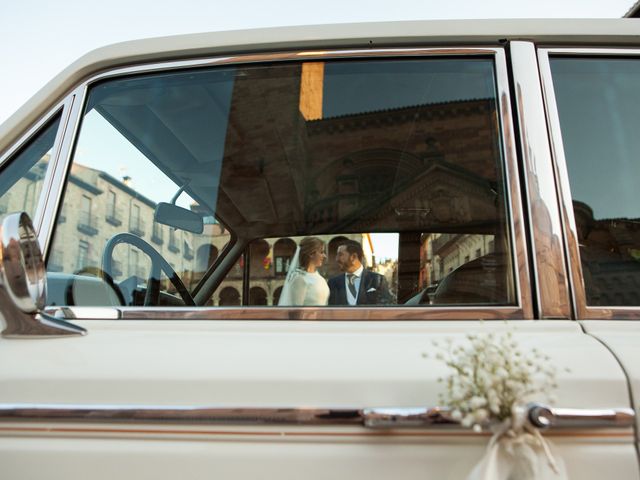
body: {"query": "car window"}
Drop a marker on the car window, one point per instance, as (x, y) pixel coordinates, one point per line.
(369, 182)
(23, 173)
(599, 108)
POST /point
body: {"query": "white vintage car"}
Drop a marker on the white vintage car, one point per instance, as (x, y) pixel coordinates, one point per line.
(488, 170)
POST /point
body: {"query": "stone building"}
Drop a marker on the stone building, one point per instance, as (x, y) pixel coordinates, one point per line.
(97, 207)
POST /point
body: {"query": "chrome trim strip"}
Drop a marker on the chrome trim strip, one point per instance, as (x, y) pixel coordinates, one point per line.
(31, 131)
(519, 251)
(49, 181)
(570, 233)
(578, 296)
(552, 288)
(289, 56)
(62, 109)
(408, 418)
(54, 193)
(631, 51)
(542, 416)
(287, 313)
(84, 313)
(179, 414)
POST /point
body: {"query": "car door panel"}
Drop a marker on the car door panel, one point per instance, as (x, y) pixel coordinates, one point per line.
(306, 455)
(272, 365)
(621, 337)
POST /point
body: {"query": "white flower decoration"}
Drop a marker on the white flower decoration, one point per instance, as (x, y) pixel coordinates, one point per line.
(490, 377)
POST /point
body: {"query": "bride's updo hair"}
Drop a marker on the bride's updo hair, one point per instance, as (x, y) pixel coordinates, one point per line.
(308, 245)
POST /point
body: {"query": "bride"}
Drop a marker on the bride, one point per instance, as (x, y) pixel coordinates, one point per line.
(304, 285)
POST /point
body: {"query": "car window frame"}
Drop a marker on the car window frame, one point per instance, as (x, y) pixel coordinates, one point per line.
(61, 109)
(520, 267)
(581, 310)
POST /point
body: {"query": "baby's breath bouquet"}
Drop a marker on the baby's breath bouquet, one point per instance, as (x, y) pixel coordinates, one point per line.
(491, 378)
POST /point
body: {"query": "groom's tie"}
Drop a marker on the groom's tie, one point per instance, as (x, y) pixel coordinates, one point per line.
(352, 287)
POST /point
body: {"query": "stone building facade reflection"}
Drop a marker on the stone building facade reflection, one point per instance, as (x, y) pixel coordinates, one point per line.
(428, 168)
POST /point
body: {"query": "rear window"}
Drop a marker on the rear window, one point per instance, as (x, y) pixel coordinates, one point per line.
(599, 107)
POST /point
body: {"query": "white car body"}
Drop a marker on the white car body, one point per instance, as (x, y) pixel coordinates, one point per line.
(135, 361)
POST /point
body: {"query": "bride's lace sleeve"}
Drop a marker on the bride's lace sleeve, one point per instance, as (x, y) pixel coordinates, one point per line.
(294, 289)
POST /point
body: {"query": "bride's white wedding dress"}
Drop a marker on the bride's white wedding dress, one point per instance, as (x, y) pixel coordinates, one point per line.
(306, 288)
(303, 288)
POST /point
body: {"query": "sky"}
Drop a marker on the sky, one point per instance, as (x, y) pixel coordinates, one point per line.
(39, 38)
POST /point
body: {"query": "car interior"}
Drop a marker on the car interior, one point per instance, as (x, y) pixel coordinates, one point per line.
(254, 165)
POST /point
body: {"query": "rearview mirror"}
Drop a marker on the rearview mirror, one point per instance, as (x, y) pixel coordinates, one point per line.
(178, 217)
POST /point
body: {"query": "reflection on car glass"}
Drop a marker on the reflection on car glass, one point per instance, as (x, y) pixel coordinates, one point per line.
(598, 104)
(399, 162)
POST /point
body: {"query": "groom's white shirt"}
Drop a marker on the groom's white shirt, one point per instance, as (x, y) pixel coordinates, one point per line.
(356, 282)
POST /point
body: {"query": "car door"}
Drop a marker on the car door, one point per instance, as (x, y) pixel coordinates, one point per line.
(592, 105)
(411, 153)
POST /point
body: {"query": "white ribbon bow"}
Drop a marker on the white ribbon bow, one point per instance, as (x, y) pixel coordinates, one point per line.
(517, 451)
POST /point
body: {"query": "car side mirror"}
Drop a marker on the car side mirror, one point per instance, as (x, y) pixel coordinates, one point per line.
(178, 217)
(23, 283)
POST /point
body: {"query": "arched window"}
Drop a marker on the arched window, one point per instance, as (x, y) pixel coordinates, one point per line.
(205, 257)
(257, 296)
(229, 296)
(276, 295)
(283, 251)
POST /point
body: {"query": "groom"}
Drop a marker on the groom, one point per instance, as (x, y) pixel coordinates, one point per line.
(356, 286)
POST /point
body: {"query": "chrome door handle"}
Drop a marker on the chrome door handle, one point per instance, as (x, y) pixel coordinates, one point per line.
(540, 416)
(544, 416)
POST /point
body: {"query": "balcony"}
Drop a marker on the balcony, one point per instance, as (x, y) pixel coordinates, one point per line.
(116, 267)
(136, 226)
(157, 236)
(442, 241)
(87, 223)
(114, 216)
(137, 271)
(173, 245)
(87, 263)
(54, 264)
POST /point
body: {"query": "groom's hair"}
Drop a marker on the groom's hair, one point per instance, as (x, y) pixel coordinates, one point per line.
(353, 247)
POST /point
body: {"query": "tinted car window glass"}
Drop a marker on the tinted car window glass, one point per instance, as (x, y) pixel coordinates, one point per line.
(599, 107)
(22, 177)
(401, 157)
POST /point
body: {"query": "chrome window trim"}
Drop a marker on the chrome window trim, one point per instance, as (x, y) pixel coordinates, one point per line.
(545, 227)
(514, 207)
(578, 293)
(522, 309)
(328, 54)
(275, 313)
(24, 138)
(63, 109)
(48, 180)
(53, 198)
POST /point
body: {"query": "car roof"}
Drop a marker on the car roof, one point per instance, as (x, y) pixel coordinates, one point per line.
(600, 32)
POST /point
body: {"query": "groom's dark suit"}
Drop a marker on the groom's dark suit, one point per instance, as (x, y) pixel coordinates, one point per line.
(373, 289)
